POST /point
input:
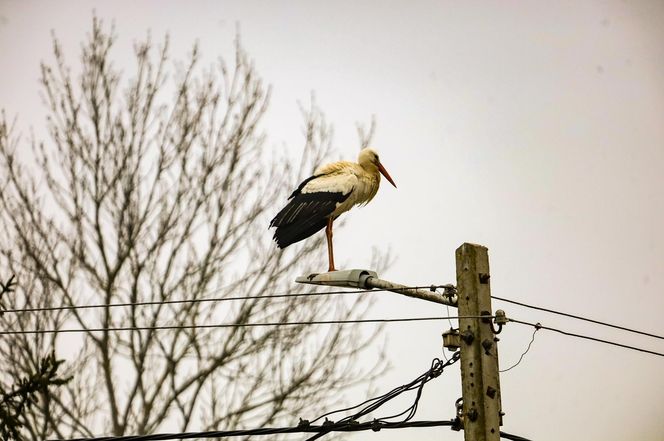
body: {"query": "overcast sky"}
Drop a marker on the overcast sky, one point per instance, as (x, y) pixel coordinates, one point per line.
(533, 128)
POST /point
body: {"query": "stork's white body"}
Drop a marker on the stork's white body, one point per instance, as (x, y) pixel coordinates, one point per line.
(359, 183)
(332, 190)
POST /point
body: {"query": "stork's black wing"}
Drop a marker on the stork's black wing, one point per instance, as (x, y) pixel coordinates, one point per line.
(307, 212)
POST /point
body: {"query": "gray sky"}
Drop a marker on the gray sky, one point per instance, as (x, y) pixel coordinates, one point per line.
(533, 128)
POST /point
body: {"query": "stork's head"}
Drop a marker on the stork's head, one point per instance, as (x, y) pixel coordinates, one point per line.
(368, 159)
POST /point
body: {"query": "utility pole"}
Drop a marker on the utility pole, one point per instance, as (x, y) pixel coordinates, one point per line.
(481, 414)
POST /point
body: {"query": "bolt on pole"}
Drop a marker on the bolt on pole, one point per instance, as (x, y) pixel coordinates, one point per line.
(481, 414)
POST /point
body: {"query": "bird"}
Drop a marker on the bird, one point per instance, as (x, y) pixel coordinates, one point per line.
(332, 190)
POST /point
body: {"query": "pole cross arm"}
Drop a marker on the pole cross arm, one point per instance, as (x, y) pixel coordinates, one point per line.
(367, 279)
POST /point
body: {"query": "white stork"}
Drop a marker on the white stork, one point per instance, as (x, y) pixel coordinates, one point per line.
(332, 190)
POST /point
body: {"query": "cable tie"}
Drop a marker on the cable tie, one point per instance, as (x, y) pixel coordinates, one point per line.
(538, 326)
(303, 423)
(328, 422)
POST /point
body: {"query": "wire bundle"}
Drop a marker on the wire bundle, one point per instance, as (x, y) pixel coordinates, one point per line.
(368, 406)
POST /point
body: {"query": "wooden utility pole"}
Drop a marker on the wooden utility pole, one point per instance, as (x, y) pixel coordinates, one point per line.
(482, 412)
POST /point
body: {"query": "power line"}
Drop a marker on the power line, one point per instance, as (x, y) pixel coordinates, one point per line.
(586, 337)
(372, 404)
(209, 299)
(347, 424)
(512, 437)
(537, 328)
(312, 294)
(578, 317)
(345, 427)
(231, 325)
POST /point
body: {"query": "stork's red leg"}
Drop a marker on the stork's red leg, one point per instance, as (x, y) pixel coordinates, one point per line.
(330, 253)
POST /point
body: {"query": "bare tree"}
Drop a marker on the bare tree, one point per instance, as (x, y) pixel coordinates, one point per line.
(138, 197)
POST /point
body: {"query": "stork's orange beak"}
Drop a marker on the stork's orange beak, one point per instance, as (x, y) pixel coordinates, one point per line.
(384, 172)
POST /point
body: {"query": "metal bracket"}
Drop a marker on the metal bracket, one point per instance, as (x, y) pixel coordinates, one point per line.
(458, 421)
(355, 278)
(366, 279)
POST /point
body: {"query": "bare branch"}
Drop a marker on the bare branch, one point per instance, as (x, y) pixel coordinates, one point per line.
(366, 135)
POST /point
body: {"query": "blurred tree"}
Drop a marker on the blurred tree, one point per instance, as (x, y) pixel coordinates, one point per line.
(141, 198)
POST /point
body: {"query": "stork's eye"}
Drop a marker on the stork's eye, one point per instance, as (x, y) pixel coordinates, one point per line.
(377, 160)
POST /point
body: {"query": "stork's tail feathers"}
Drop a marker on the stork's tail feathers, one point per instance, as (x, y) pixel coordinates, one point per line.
(289, 234)
(305, 214)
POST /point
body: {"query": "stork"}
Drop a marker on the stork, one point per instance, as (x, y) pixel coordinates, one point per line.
(332, 190)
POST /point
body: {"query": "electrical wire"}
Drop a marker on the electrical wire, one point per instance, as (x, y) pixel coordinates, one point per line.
(537, 328)
(372, 404)
(355, 427)
(231, 325)
(209, 299)
(313, 294)
(347, 424)
(578, 317)
(586, 337)
(512, 437)
(437, 367)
